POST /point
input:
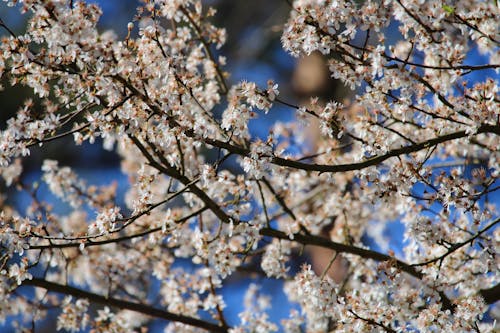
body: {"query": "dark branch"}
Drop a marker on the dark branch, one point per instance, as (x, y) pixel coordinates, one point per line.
(364, 253)
(491, 295)
(122, 304)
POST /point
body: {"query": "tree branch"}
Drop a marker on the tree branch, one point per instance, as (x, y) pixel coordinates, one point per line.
(457, 246)
(364, 253)
(122, 304)
(380, 158)
(89, 242)
(491, 295)
(174, 173)
(236, 149)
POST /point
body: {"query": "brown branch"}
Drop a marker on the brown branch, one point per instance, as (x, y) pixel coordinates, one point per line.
(451, 68)
(122, 304)
(89, 243)
(433, 90)
(80, 128)
(279, 198)
(372, 322)
(417, 19)
(379, 159)
(342, 248)
(126, 221)
(491, 295)
(364, 253)
(457, 246)
(174, 173)
(206, 46)
(236, 149)
(474, 27)
(3, 25)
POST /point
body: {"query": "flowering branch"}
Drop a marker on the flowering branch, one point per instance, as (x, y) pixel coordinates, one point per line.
(457, 246)
(122, 304)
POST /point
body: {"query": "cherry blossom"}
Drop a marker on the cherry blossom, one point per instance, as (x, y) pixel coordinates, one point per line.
(416, 143)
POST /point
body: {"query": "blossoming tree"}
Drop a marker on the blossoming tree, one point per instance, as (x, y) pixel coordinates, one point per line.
(422, 147)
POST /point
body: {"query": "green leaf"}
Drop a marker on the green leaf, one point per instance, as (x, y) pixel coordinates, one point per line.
(449, 9)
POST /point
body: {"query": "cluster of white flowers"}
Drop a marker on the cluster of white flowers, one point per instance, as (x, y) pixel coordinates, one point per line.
(23, 130)
(74, 316)
(122, 322)
(64, 183)
(243, 99)
(222, 258)
(105, 221)
(19, 272)
(12, 171)
(418, 143)
(257, 164)
(275, 259)
(13, 229)
(254, 318)
(317, 297)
